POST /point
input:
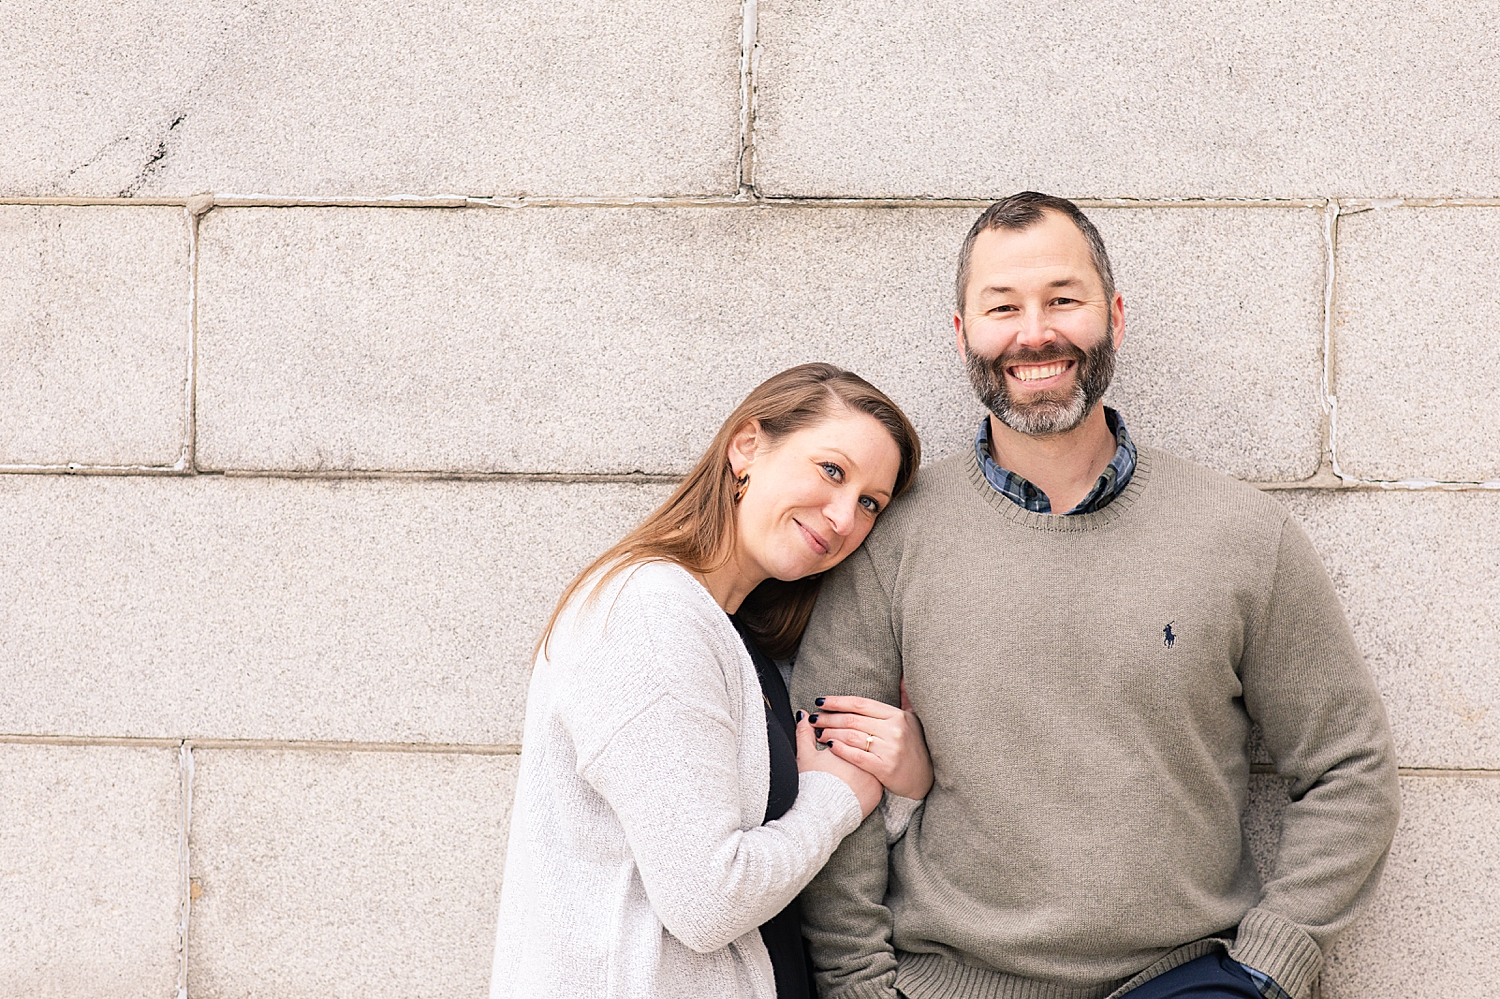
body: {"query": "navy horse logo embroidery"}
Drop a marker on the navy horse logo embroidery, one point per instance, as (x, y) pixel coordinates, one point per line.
(1168, 639)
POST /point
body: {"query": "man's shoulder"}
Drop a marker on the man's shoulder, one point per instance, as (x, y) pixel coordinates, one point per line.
(1192, 487)
(930, 499)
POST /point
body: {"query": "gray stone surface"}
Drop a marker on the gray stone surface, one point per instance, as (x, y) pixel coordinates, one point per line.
(93, 334)
(362, 875)
(1418, 360)
(975, 98)
(1419, 574)
(89, 875)
(286, 609)
(370, 98)
(613, 340)
(1262, 822)
(1433, 929)
(1207, 369)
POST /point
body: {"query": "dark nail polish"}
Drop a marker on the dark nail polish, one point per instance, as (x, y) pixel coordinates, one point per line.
(801, 715)
(819, 701)
(813, 718)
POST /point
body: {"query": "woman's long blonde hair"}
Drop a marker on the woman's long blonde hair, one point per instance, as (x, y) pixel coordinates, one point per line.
(695, 526)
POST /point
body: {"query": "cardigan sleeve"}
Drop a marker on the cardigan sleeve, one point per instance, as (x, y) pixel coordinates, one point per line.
(672, 784)
(654, 718)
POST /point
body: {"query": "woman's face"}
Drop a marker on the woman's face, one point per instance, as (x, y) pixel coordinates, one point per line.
(812, 496)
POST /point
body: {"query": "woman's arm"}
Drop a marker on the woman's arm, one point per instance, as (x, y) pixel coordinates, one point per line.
(675, 790)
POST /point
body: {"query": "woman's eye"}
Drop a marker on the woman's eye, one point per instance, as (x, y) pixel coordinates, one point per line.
(869, 504)
(834, 472)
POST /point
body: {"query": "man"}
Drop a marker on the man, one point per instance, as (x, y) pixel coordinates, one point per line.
(1088, 631)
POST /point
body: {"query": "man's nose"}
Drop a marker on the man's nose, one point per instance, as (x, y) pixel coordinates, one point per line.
(1036, 330)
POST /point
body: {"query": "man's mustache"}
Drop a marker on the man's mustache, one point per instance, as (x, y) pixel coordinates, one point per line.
(1027, 355)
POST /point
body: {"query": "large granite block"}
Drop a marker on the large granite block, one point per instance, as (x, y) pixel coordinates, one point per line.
(1417, 370)
(1419, 575)
(386, 611)
(93, 335)
(974, 98)
(90, 883)
(363, 875)
(374, 97)
(615, 340)
(1433, 929)
(1206, 370)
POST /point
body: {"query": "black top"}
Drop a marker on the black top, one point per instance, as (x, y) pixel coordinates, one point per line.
(782, 933)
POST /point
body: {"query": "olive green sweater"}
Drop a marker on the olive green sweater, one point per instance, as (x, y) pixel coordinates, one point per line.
(1088, 686)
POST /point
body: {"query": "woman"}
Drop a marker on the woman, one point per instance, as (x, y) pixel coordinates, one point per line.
(668, 809)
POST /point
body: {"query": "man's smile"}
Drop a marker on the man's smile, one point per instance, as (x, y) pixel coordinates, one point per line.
(1039, 375)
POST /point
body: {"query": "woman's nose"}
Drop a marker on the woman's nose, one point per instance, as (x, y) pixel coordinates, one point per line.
(841, 513)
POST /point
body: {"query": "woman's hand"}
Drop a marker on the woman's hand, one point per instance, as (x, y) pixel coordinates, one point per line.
(865, 787)
(883, 741)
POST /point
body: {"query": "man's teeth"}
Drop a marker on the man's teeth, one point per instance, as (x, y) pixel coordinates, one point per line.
(1036, 372)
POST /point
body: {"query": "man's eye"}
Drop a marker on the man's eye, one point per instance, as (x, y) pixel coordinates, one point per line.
(834, 472)
(1063, 301)
(869, 504)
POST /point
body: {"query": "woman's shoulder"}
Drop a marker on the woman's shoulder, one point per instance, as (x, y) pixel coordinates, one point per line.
(661, 590)
(648, 632)
(654, 609)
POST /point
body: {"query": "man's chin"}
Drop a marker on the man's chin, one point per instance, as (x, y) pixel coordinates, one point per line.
(1039, 418)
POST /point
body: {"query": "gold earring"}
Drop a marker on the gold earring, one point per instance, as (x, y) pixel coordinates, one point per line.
(742, 483)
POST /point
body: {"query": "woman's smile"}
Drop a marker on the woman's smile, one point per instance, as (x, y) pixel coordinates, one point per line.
(814, 540)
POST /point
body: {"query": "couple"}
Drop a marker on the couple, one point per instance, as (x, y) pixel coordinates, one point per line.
(1087, 630)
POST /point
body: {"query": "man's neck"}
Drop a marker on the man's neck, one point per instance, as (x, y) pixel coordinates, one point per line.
(1064, 466)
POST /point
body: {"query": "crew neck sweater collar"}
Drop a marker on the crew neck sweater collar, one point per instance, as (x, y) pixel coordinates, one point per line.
(1111, 483)
(1119, 508)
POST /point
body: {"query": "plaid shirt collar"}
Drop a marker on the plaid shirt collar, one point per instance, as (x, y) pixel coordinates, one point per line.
(1027, 496)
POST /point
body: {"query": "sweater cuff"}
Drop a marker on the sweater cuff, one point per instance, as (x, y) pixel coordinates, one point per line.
(897, 812)
(1279, 949)
(883, 987)
(830, 794)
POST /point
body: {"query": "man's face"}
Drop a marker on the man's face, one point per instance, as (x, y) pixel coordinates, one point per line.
(1037, 335)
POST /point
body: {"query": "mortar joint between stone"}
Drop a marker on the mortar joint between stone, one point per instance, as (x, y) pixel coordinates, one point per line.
(184, 866)
(197, 208)
(749, 65)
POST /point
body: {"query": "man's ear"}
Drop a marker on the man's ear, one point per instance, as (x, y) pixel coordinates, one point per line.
(958, 336)
(743, 446)
(1117, 314)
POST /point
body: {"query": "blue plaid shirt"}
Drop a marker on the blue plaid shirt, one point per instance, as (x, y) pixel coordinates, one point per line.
(1268, 988)
(1111, 483)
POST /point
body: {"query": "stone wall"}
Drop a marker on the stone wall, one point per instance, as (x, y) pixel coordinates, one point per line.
(335, 337)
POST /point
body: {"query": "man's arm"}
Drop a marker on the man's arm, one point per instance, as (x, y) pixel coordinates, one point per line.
(850, 648)
(1307, 686)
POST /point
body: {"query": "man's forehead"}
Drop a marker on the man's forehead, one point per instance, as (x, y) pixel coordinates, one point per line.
(1052, 253)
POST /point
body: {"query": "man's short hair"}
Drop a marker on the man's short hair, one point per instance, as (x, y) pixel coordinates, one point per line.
(1022, 211)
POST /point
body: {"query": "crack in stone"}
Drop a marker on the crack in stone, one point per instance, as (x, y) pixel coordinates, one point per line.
(98, 154)
(154, 161)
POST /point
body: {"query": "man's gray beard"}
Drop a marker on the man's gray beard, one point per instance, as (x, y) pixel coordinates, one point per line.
(1043, 416)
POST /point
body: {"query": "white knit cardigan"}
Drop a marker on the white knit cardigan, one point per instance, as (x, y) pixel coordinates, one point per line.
(638, 865)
